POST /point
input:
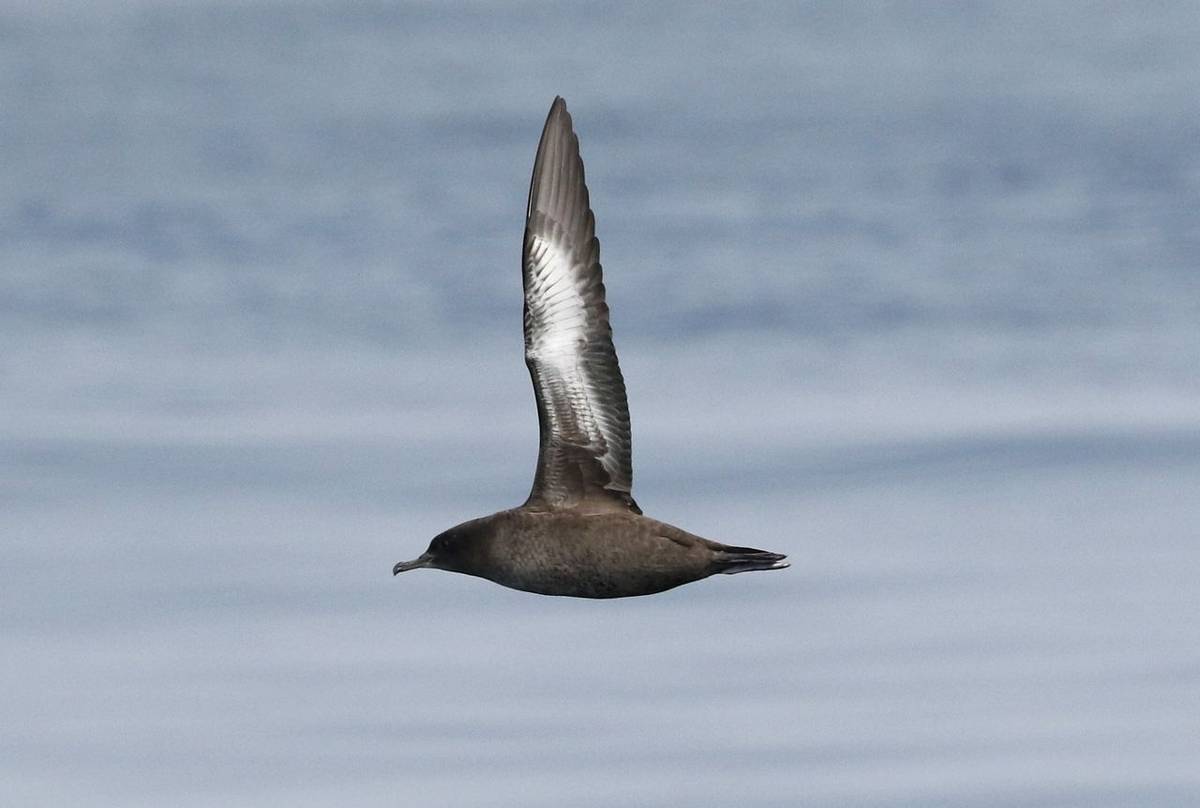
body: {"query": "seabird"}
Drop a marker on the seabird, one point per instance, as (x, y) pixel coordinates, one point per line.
(580, 533)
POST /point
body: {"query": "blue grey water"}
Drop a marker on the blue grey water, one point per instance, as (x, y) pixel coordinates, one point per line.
(910, 292)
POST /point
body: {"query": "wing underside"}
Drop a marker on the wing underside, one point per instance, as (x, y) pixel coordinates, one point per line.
(584, 457)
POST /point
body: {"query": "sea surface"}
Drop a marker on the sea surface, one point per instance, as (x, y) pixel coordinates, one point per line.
(907, 291)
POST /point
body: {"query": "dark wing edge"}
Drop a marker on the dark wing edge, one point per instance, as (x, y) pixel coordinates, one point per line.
(584, 458)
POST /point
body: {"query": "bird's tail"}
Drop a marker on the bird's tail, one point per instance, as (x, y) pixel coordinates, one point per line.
(747, 559)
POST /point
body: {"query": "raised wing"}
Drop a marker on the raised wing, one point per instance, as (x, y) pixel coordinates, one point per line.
(584, 457)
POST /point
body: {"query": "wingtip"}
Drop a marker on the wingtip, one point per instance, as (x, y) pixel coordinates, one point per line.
(558, 110)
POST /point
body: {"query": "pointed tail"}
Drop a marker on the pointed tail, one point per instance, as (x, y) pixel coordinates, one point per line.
(746, 559)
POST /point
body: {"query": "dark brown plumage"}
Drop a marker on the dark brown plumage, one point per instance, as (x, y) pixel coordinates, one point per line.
(580, 533)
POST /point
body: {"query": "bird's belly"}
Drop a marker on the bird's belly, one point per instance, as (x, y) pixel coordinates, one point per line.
(595, 566)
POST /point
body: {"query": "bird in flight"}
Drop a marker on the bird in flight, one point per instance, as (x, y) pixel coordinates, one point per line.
(580, 533)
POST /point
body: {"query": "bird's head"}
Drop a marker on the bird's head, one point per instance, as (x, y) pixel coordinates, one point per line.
(449, 550)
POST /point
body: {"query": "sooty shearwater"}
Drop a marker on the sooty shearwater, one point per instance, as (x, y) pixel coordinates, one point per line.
(580, 533)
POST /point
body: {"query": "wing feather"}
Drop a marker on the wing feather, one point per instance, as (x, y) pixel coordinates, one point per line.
(584, 455)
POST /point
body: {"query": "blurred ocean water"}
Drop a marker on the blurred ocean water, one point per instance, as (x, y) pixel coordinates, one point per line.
(909, 292)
